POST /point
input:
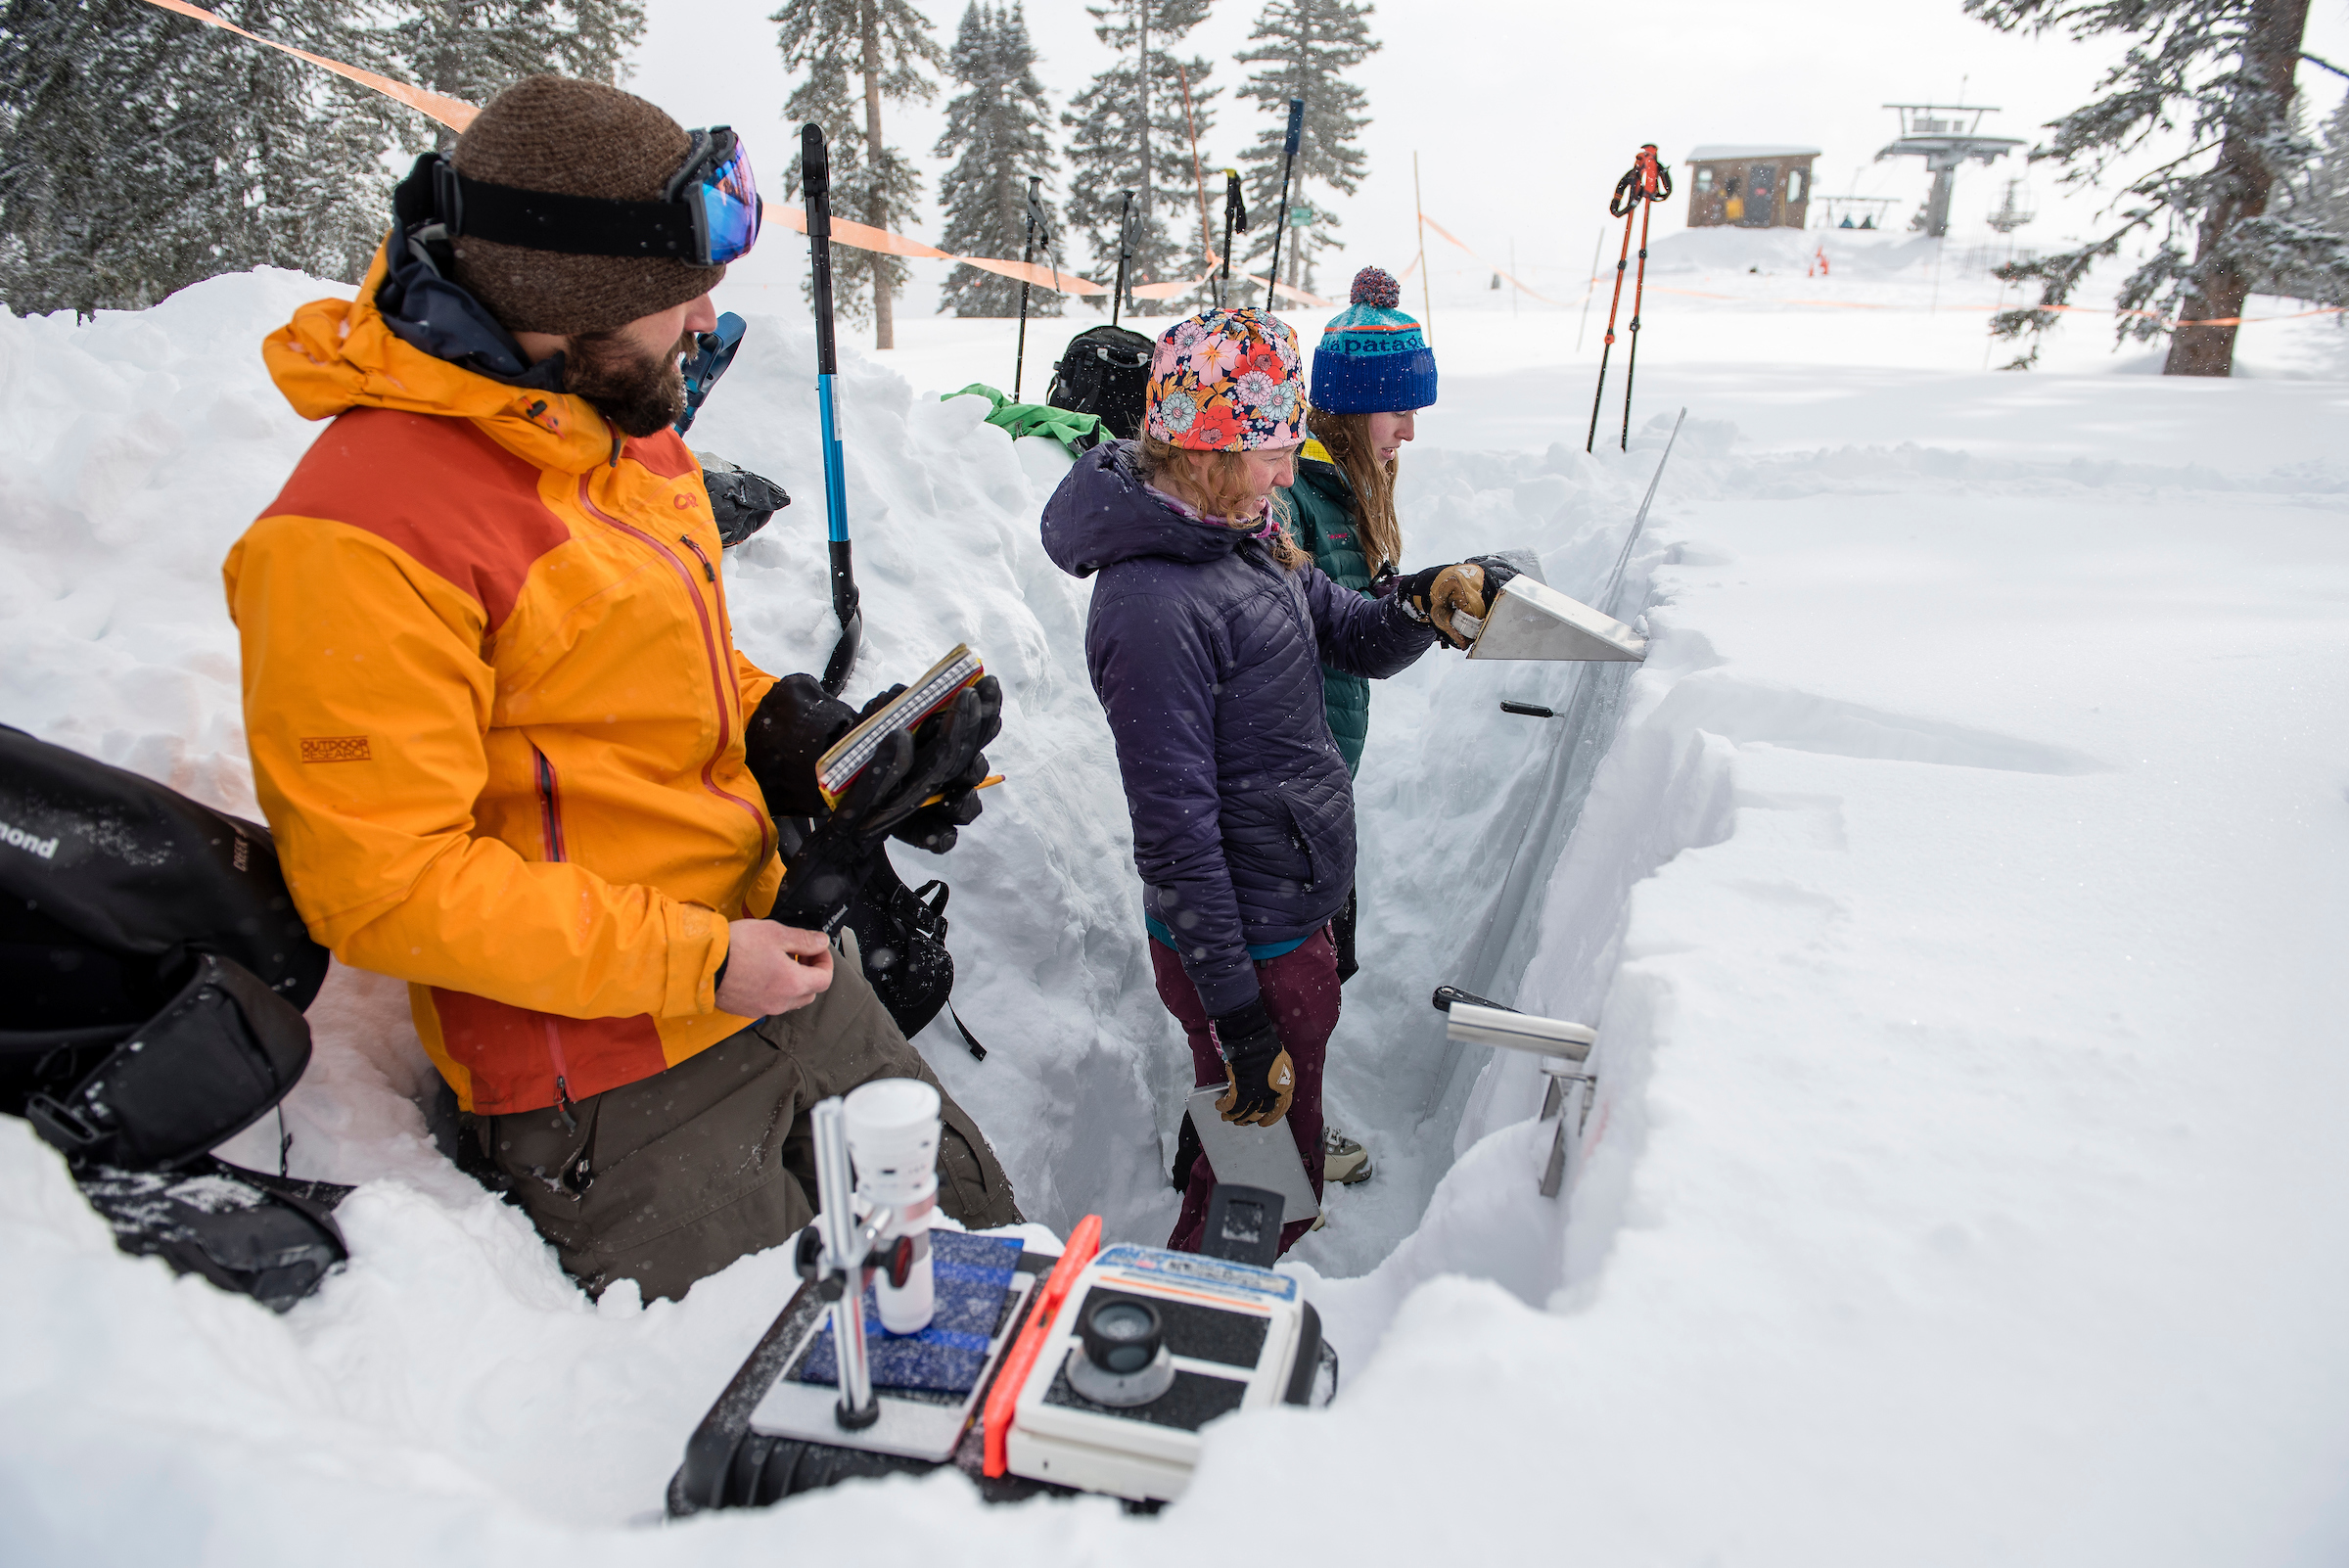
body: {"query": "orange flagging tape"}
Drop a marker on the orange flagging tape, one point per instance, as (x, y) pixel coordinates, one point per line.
(1480, 261)
(865, 237)
(456, 115)
(454, 112)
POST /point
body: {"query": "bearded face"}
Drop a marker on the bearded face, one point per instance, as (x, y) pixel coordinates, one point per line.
(639, 391)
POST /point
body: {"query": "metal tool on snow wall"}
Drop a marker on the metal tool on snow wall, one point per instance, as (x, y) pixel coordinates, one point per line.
(1564, 1050)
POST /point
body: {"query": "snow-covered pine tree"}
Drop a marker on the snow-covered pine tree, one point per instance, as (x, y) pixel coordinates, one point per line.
(1131, 137)
(995, 133)
(886, 43)
(1302, 47)
(476, 49)
(147, 151)
(2223, 72)
(2324, 200)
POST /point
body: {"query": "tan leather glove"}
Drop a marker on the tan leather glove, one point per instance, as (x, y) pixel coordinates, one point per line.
(1263, 1080)
(1438, 593)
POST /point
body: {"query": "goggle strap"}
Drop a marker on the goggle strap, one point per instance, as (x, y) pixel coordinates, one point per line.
(574, 225)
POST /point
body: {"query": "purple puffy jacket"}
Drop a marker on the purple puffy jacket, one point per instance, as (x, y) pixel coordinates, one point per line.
(1207, 656)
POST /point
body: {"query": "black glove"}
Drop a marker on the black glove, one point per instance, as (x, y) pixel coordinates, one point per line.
(740, 500)
(822, 875)
(1262, 1077)
(936, 827)
(797, 722)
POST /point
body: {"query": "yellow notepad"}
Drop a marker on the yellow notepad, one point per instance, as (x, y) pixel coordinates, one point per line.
(838, 767)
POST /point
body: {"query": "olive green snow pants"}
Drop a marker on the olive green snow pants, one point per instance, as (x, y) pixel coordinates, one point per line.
(673, 1178)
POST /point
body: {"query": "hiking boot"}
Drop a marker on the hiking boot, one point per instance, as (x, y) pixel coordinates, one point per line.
(1343, 1160)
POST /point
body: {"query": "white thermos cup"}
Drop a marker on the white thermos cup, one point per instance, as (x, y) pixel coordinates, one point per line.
(892, 1140)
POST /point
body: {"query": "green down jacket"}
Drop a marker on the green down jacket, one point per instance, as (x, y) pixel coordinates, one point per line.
(1322, 519)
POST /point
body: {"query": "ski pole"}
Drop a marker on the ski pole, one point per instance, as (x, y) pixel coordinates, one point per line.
(1280, 223)
(1235, 217)
(1634, 188)
(1654, 186)
(1019, 360)
(1124, 251)
(816, 181)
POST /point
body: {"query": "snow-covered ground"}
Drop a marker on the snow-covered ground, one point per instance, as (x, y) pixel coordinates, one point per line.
(1958, 900)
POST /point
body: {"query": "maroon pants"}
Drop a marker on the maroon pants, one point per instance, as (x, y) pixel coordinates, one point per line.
(1301, 992)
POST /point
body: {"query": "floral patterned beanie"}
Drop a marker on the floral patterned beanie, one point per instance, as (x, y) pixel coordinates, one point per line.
(1227, 381)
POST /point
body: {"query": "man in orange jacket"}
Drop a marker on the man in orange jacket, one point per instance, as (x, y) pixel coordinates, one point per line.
(500, 729)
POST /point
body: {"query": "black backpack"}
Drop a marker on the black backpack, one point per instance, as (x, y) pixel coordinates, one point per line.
(154, 970)
(1105, 371)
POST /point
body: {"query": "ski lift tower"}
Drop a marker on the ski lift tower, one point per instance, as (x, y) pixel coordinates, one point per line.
(1944, 136)
(2015, 210)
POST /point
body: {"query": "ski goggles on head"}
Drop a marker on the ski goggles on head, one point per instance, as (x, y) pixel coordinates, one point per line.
(715, 180)
(708, 214)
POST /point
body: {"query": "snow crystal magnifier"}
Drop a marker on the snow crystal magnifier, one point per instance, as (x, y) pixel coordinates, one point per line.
(708, 214)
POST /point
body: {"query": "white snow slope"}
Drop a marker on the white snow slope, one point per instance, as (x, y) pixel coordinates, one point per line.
(1960, 903)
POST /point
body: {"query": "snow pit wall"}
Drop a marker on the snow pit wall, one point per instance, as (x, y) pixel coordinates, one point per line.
(149, 439)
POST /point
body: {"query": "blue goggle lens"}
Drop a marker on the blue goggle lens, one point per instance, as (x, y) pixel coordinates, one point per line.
(730, 209)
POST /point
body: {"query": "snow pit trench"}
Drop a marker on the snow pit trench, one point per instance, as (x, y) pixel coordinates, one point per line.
(152, 440)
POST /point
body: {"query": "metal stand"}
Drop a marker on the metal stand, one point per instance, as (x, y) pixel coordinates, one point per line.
(845, 1267)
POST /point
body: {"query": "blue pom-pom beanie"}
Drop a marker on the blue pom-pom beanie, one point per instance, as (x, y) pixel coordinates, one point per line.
(1372, 358)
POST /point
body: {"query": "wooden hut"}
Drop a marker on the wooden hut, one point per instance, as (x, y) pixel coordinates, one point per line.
(1758, 187)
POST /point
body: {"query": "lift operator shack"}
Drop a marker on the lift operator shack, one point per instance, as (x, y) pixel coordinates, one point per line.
(1088, 1371)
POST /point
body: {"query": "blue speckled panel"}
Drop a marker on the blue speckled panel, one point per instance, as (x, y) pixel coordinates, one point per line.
(973, 1273)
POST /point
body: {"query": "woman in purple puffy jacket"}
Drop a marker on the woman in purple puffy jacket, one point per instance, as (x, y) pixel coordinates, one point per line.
(1206, 640)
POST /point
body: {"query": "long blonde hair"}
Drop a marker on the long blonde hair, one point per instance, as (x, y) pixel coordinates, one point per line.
(1347, 438)
(1215, 487)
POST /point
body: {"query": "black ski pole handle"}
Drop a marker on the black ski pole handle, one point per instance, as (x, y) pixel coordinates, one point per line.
(1626, 193)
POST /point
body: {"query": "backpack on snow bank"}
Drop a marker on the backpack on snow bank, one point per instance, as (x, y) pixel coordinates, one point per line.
(155, 971)
(1105, 371)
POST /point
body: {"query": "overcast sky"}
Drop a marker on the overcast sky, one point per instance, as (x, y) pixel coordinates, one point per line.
(1522, 113)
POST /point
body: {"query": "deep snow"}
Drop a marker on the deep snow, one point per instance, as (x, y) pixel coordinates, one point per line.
(1958, 902)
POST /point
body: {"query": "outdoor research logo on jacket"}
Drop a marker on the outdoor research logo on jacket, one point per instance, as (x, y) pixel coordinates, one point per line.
(497, 715)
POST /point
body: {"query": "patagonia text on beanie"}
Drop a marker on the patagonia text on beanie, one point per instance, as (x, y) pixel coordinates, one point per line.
(1372, 358)
(574, 138)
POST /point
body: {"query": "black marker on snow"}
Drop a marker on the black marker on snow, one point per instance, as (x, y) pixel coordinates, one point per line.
(816, 181)
(1281, 222)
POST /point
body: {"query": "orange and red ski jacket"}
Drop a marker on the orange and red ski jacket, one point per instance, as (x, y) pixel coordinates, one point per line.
(496, 714)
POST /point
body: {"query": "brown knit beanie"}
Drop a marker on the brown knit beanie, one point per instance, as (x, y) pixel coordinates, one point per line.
(574, 138)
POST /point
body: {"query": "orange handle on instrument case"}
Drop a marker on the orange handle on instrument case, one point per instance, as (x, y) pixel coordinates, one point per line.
(1084, 1243)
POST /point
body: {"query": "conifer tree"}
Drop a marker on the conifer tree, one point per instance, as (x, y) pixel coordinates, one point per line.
(884, 43)
(476, 49)
(1131, 135)
(2223, 72)
(1302, 47)
(147, 151)
(995, 132)
(2325, 198)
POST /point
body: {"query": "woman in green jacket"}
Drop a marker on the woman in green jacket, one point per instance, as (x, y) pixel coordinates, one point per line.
(1372, 374)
